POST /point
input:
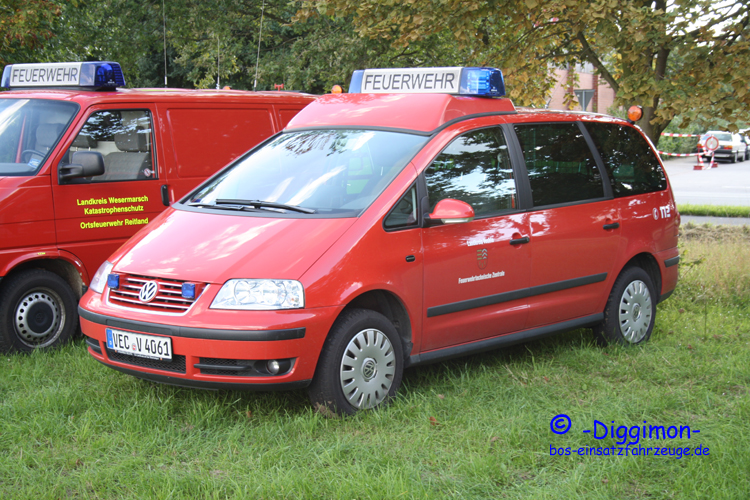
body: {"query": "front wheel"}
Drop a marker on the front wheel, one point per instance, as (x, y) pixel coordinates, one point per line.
(631, 310)
(37, 311)
(360, 365)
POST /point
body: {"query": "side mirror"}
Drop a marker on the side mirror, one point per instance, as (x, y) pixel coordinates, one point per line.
(83, 164)
(449, 211)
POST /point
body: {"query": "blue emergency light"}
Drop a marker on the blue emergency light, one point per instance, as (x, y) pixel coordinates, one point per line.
(481, 82)
(95, 75)
(113, 281)
(188, 290)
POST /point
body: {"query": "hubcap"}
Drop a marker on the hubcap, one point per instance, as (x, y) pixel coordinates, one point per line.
(635, 311)
(39, 318)
(367, 369)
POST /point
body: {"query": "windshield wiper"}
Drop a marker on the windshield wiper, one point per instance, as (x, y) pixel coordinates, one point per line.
(265, 204)
(234, 207)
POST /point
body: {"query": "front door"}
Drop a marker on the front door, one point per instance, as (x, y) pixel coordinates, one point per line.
(95, 215)
(474, 271)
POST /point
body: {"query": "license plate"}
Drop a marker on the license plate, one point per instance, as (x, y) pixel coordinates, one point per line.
(137, 344)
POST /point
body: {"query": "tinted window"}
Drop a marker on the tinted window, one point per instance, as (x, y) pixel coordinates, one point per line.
(404, 214)
(123, 138)
(474, 168)
(560, 165)
(631, 165)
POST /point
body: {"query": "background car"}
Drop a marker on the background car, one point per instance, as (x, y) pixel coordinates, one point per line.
(732, 147)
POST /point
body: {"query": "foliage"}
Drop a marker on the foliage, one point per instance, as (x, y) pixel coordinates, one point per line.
(687, 57)
(25, 26)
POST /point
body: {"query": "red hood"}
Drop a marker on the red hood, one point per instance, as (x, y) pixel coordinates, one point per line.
(212, 248)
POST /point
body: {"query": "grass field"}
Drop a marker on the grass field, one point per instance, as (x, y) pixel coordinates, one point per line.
(477, 427)
(713, 210)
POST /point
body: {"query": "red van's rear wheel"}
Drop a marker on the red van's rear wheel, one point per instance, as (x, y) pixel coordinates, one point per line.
(631, 310)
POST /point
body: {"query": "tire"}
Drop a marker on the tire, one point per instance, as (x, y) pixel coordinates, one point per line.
(631, 310)
(37, 311)
(360, 365)
(733, 159)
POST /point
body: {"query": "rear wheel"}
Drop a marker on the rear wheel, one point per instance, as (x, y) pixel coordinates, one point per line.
(631, 310)
(37, 311)
(360, 365)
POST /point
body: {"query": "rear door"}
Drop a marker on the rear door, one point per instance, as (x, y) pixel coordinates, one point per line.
(474, 271)
(574, 223)
(95, 215)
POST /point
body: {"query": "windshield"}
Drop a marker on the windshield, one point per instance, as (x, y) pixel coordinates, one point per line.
(322, 172)
(29, 130)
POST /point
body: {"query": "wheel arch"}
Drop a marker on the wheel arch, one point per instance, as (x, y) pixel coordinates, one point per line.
(648, 263)
(59, 266)
(390, 306)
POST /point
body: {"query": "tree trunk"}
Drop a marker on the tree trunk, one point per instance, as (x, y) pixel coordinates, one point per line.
(653, 132)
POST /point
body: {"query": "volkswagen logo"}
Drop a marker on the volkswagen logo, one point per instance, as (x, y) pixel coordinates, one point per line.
(148, 291)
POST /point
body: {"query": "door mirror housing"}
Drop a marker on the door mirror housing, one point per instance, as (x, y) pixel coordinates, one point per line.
(450, 211)
(83, 164)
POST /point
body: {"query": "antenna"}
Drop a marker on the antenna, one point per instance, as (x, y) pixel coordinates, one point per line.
(218, 62)
(164, 20)
(260, 34)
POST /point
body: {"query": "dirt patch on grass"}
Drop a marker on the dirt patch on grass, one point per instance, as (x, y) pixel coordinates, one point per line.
(710, 232)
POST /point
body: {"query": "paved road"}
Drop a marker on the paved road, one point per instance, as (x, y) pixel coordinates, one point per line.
(728, 184)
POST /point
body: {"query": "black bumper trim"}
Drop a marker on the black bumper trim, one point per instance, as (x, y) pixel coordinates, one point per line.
(191, 332)
(503, 340)
(215, 386)
(665, 296)
(672, 262)
(523, 293)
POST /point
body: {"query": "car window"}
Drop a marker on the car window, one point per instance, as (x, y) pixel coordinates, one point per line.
(475, 168)
(630, 163)
(124, 139)
(560, 164)
(29, 131)
(404, 213)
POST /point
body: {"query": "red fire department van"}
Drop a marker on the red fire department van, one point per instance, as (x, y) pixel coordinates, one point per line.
(84, 165)
(417, 218)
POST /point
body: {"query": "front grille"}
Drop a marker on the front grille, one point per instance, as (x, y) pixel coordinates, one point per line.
(168, 298)
(177, 364)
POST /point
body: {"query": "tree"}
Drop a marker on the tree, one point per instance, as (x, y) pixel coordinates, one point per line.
(25, 26)
(682, 57)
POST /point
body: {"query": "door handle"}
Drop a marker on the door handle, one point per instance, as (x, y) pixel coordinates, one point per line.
(520, 241)
(613, 225)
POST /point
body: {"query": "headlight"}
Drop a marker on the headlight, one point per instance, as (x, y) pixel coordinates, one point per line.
(258, 295)
(100, 277)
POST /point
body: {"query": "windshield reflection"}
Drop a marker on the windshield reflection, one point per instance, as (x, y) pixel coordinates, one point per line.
(334, 172)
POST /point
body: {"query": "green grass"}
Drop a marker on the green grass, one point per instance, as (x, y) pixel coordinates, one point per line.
(713, 210)
(72, 428)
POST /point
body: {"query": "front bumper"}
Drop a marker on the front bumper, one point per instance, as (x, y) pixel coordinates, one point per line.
(216, 356)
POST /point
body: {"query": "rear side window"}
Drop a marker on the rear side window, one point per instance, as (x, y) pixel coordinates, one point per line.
(628, 159)
(474, 168)
(560, 164)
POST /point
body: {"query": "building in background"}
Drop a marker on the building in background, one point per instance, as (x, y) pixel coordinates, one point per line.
(592, 93)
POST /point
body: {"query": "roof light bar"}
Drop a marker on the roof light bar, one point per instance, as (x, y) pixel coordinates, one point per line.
(483, 82)
(88, 75)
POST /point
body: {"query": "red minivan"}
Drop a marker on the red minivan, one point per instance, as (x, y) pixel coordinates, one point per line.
(417, 218)
(84, 164)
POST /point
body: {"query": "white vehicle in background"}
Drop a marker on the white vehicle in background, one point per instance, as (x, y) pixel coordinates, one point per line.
(732, 147)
